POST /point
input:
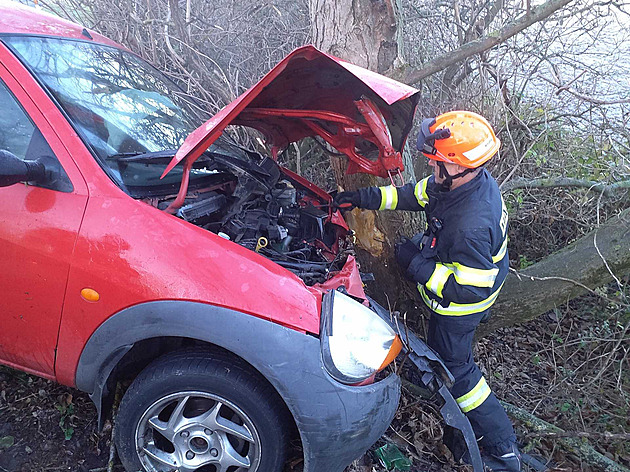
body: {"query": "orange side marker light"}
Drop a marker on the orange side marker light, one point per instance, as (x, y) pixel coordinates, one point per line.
(90, 295)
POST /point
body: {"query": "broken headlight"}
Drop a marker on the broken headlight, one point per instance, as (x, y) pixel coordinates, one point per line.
(356, 342)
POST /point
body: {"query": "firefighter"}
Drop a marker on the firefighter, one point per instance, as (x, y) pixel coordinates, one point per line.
(460, 262)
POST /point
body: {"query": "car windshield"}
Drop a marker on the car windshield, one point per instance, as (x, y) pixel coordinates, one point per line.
(120, 105)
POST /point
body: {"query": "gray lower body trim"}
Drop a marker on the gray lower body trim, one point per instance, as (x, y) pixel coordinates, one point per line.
(337, 422)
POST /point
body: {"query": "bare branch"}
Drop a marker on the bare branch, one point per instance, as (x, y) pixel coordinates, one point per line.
(586, 98)
(606, 189)
(483, 44)
(563, 279)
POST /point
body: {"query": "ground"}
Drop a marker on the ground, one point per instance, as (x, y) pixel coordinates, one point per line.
(53, 427)
(569, 367)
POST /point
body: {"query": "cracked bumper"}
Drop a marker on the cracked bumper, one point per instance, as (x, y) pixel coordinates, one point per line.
(337, 423)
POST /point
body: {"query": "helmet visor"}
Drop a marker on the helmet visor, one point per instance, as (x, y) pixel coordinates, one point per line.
(426, 139)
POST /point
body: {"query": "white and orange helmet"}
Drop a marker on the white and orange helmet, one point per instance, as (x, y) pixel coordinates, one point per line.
(458, 137)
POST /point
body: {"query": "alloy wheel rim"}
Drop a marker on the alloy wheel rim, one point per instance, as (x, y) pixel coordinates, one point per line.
(194, 431)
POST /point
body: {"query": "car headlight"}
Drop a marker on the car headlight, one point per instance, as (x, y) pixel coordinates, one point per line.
(356, 341)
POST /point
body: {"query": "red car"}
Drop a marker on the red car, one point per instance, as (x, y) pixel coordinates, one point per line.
(140, 247)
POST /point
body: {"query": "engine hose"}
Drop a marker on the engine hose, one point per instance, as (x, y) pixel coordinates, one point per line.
(306, 266)
(315, 276)
(299, 255)
(297, 252)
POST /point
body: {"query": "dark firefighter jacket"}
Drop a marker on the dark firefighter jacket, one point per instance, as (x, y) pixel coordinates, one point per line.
(461, 267)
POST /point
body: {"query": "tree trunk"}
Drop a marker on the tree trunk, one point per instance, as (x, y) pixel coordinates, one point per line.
(364, 32)
(360, 31)
(587, 263)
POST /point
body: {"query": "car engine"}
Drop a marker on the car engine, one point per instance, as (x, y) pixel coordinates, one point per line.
(255, 204)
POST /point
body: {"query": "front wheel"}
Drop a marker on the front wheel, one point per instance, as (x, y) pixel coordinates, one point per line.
(195, 411)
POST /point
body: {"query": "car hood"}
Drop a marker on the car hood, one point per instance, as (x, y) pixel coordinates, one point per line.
(360, 113)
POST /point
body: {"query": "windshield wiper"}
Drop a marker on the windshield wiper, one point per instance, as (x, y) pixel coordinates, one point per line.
(143, 156)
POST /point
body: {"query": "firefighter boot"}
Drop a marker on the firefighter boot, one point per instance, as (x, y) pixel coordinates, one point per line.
(508, 460)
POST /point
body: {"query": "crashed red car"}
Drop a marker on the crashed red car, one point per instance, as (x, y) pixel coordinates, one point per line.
(144, 248)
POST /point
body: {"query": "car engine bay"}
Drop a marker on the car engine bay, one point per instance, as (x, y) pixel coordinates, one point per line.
(255, 203)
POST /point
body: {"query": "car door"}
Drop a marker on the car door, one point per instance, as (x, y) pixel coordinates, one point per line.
(38, 225)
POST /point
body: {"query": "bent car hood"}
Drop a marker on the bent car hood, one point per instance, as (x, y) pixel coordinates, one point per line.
(360, 113)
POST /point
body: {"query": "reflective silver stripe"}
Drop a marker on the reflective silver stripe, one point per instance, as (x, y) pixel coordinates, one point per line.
(501, 254)
(389, 198)
(438, 279)
(420, 192)
(474, 397)
(504, 218)
(458, 309)
(478, 151)
(465, 275)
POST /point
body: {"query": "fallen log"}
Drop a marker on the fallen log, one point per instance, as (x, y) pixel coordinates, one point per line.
(590, 262)
(580, 447)
(580, 434)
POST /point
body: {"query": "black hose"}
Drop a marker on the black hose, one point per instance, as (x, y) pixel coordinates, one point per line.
(303, 266)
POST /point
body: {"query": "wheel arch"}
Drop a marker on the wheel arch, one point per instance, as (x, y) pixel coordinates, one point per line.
(131, 339)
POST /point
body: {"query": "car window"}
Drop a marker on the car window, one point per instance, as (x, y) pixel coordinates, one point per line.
(16, 128)
(120, 105)
(20, 136)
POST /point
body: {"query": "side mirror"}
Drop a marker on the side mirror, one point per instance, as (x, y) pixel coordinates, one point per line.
(14, 170)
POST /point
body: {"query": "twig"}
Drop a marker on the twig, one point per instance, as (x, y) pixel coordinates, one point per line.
(569, 83)
(619, 285)
(388, 439)
(219, 71)
(112, 447)
(610, 356)
(520, 160)
(564, 279)
(586, 98)
(24, 398)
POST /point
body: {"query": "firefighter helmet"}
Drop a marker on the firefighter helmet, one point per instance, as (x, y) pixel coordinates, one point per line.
(458, 137)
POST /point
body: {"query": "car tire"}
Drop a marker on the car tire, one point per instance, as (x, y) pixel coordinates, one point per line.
(201, 411)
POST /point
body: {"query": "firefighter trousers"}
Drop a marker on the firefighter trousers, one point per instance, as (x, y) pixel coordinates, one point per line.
(452, 337)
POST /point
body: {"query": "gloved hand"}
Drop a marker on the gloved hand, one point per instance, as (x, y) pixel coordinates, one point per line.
(347, 200)
(405, 250)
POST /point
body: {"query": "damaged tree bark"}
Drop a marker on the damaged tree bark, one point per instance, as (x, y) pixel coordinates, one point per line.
(364, 32)
(361, 31)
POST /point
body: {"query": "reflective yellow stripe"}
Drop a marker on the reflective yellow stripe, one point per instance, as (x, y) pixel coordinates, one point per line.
(465, 275)
(501, 254)
(438, 279)
(475, 397)
(458, 309)
(389, 198)
(421, 192)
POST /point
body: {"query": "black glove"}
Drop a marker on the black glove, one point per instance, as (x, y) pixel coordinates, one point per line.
(347, 200)
(405, 251)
